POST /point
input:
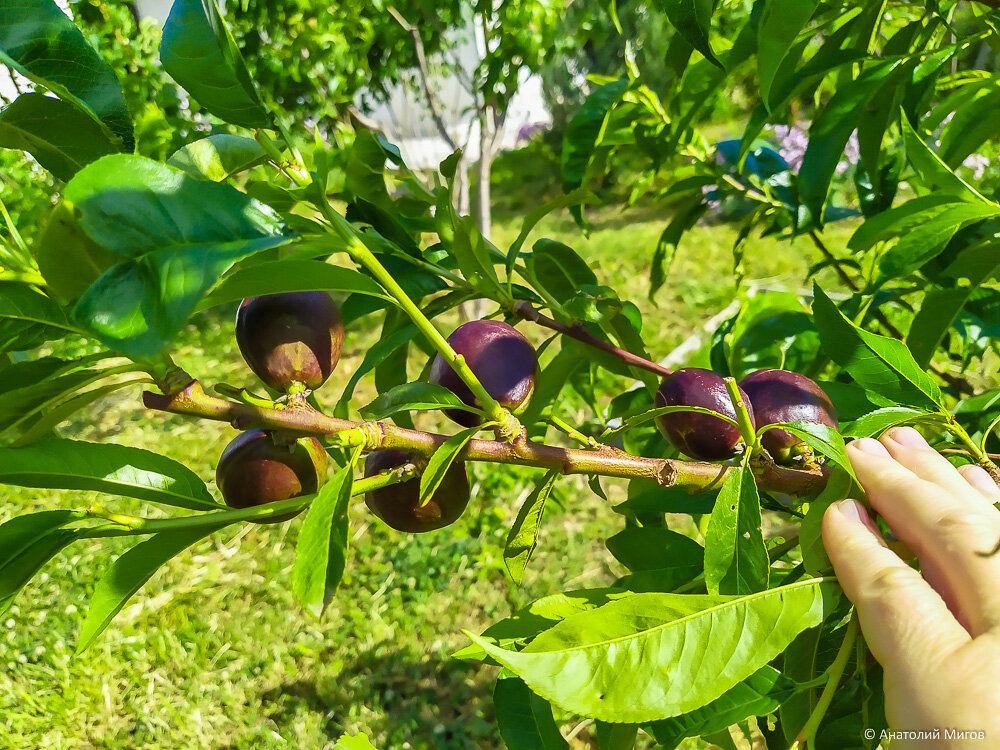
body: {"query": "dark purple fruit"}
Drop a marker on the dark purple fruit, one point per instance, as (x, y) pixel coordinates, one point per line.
(254, 470)
(783, 396)
(399, 504)
(290, 338)
(504, 361)
(697, 435)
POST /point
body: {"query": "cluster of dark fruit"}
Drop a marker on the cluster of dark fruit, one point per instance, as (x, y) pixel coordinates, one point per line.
(771, 397)
(292, 342)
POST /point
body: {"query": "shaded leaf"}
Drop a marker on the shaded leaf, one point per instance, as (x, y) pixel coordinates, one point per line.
(523, 535)
(38, 40)
(128, 574)
(441, 461)
(839, 485)
(21, 532)
(61, 137)
(19, 570)
(692, 18)
(559, 270)
(414, 396)
(584, 130)
(934, 172)
(199, 52)
(779, 24)
(524, 720)
(821, 438)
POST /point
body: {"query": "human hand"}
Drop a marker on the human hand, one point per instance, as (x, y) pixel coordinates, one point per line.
(937, 635)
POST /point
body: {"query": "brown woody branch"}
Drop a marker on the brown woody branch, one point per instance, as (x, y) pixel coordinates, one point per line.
(526, 311)
(692, 476)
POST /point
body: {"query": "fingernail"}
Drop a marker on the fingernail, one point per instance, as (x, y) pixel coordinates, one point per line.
(909, 437)
(853, 510)
(871, 446)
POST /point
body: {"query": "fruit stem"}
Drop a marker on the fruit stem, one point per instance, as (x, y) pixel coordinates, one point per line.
(806, 738)
(137, 525)
(747, 431)
(691, 475)
(508, 426)
(526, 311)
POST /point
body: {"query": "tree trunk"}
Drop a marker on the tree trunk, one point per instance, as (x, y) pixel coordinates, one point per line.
(461, 196)
(484, 216)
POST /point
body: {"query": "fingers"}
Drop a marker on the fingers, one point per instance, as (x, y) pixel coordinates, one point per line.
(936, 512)
(980, 479)
(906, 623)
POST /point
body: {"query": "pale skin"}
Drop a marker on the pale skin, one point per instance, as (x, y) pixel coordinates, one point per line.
(936, 632)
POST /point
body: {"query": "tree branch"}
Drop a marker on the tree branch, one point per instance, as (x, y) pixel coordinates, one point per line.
(692, 476)
(526, 311)
(425, 77)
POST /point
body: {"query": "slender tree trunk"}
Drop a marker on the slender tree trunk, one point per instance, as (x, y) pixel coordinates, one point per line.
(461, 196)
(484, 216)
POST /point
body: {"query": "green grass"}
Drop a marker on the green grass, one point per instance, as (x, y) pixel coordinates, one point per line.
(215, 653)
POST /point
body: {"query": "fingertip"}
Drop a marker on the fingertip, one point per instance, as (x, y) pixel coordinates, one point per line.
(907, 436)
(870, 447)
(979, 478)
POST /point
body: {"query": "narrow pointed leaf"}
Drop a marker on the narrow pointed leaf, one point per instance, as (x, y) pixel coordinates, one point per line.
(414, 396)
(290, 276)
(523, 535)
(780, 22)
(200, 53)
(441, 461)
(879, 363)
(21, 569)
(736, 559)
(877, 422)
(20, 533)
(321, 552)
(647, 657)
(821, 438)
(524, 720)
(660, 559)
(692, 18)
(128, 574)
(615, 736)
(584, 130)
(934, 173)
(758, 695)
(105, 467)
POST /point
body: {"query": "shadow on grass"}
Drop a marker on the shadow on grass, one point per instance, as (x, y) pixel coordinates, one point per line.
(425, 700)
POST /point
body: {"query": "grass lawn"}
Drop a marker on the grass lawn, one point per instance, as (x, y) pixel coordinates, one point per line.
(215, 653)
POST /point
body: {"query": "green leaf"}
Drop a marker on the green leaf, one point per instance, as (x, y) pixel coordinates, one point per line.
(934, 173)
(539, 616)
(218, 157)
(580, 195)
(21, 533)
(559, 270)
(105, 467)
(900, 220)
(878, 363)
(523, 535)
(128, 574)
(880, 420)
(779, 24)
(290, 276)
(321, 552)
(839, 486)
(832, 128)
(926, 241)
(61, 137)
(758, 695)
(28, 318)
(666, 246)
(376, 354)
(38, 40)
(441, 461)
(177, 236)
(413, 396)
(819, 437)
(69, 260)
(653, 548)
(19, 405)
(650, 414)
(692, 18)
(615, 736)
(199, 52)
(646, 657)
(524, 720)
(19, 570)
(354, 742)
(584, 130)
(736, 560)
